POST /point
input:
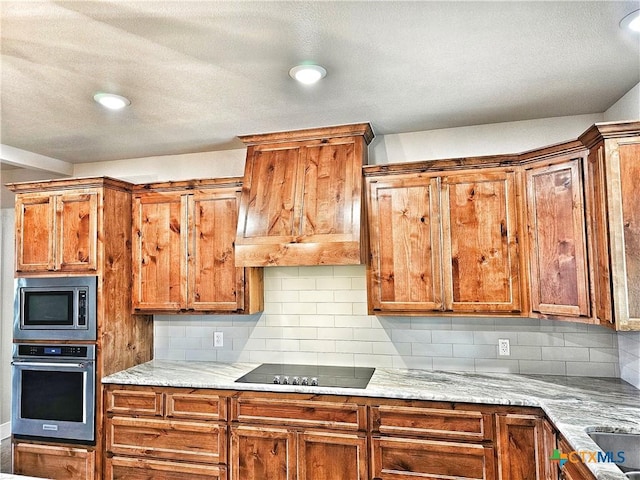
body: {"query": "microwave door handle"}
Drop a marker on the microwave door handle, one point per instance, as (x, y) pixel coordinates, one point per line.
(49, 364)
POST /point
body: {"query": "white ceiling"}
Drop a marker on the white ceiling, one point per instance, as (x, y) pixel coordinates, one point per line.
(200, 73)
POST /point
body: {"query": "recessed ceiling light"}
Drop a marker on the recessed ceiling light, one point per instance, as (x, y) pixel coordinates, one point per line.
(111, 100)
(631, 21)
(307, 74)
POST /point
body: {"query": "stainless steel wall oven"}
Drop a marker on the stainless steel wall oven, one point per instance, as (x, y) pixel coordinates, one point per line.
(54, 390)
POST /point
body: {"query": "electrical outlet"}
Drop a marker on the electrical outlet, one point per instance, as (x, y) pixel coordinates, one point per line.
(503, 347)
(218, 339)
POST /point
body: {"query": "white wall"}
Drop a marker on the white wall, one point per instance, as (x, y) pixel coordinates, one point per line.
(6, 311)
(627, 108)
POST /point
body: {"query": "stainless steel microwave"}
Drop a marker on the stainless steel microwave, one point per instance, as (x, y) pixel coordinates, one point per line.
(55, 308)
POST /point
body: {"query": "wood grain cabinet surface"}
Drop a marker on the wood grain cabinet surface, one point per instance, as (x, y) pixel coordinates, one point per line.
(183, 250)
(556, 219)
(443, 242)
(301, 197)
(54, 461)
(285, 436)
(614, 194)
(57, 232)
(155, 430)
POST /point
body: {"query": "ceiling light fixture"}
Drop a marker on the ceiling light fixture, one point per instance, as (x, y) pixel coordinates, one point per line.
(307, 74)
(631, 21)
(111, 100)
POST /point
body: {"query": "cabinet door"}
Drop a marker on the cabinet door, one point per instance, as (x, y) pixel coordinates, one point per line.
(331, 455)
(480, 246)
(259, 453)
(215, 282)
(556, 223)
(521, 447)
(54, 462)
(408, 459)
(35, 237)
(77, 231)
(159, 251)
(404, 232)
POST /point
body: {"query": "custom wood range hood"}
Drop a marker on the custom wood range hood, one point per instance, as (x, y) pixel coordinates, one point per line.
(301, 201)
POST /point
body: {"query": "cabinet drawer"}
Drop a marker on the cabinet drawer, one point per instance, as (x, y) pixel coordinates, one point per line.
(170, 439)
(197, 406)
(432, 422)
(135, 402)
(306, 413)
(49, 461)
(408, 459)
(121, 468)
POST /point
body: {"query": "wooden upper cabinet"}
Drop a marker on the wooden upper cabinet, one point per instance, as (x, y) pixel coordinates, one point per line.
(301, 197)
(481, 261)
(57, 231)
(405, 244)
(183, 252)
(614, 196)
(556, 220)
(443, 243)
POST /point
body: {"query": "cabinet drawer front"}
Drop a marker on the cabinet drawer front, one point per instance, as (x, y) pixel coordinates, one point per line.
(122, 468)
(179, 440)
(135, 402)
(306, 413)
(48, 461)
(405, 459)
(431, 422)
(197, 406)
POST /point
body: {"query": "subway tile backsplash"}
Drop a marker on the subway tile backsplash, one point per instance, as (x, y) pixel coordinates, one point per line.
(318, 315)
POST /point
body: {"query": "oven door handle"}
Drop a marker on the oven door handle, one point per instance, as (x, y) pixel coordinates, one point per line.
(50, 364)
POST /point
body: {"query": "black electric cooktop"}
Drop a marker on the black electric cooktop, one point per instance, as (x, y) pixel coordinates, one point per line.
(309, 375)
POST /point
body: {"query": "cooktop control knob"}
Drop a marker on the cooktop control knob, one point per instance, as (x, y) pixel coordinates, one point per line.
(314, 381)
(305, 381)
(285, 380)
(296, 381)
(276, 379)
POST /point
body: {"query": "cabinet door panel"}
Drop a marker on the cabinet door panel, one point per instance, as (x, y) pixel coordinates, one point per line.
(160, 236)
(520, 446)
(263, 453)
(216, 284)
(77, 230)
(481, 263)
(405, 245)
(330, 181)
(270, 210)
(123, 468)
(335, 456)
(630, 194)
(35, 233)
(556, 220)
(409, 459)
(54, 462)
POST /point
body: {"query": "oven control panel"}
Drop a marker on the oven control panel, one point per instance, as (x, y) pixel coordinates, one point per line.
(67, 351)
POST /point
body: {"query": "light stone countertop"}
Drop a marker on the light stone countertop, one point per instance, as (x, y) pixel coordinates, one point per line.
(575, 405)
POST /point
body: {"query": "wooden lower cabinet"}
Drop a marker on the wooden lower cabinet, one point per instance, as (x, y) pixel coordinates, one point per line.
(165, 433)
(183, 433)
(573, 468)
(54, 461)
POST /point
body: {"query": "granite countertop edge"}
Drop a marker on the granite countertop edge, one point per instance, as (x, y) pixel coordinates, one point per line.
(575, 405)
